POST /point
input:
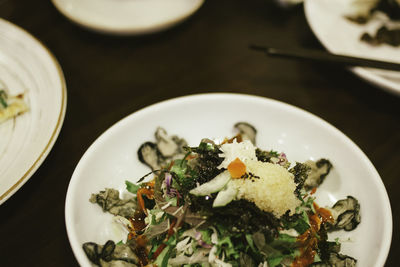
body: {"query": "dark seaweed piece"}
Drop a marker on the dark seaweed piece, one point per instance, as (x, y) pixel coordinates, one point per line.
(238, 216)
(300, 172)
(325, 247)
(202, 204)
(207, 161)
(265, 156)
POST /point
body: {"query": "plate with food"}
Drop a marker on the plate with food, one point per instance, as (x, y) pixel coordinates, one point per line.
(32, 106)
(367, 29)
(226, 180)
(127, 17)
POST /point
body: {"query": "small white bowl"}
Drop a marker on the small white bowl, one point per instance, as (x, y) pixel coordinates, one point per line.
(127, 17)
(112, 159)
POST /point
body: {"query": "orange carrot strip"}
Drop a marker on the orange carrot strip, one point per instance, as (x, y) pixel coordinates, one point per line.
(237, 168)
(144, 191)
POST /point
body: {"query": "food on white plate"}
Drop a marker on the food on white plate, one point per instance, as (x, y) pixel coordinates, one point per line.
(385, 11)
(226, 204)
(11, 106)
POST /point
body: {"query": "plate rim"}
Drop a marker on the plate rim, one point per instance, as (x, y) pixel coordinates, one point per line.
(54, 134)
(70, 227)
(124, 30)
(364, 73)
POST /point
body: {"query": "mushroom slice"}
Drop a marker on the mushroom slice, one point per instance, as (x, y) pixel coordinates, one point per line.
(165, 144)
(92, 251)
(149, 154)
(110, 202)
(125, 253)
(163, 151)
(337, 260)
(319, 170)
(107, 251)
(247, 131)
(110, 254)
(346, 214)
(170, 147)
(181, 144)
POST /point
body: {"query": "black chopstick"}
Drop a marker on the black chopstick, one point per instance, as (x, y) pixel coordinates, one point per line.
(308, 54)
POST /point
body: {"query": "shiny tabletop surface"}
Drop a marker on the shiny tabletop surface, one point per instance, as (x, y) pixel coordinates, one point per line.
(109, 77)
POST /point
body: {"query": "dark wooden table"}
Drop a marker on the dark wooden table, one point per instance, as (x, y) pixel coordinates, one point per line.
(207, 53)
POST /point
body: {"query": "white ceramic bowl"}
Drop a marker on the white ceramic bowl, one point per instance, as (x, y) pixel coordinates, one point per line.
(112, 159)
(127, 17)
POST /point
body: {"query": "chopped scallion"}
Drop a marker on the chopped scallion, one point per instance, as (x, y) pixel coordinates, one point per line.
(3, 98)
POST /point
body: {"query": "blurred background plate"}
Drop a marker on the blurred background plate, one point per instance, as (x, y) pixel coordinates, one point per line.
(341, 36)
(127, 16)
(26, 66)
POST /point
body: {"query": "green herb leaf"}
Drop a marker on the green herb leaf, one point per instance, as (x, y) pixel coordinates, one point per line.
(225, 244)
(205, 146)
(172, 200)
(179, 168)
(287, 238)
(206, 235)
(250, 241)
(184, 176)
(155, 243)
(131, 187)
(274, 261)
(300, 224)
(171, 241)
(3, 98)
(162, 259)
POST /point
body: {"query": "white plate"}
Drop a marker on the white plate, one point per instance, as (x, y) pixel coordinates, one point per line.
(26, 66)
(127, 16)
(112, 159)
(340, 36)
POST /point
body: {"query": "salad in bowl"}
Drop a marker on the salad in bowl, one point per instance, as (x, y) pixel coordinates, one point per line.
(226, 203)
